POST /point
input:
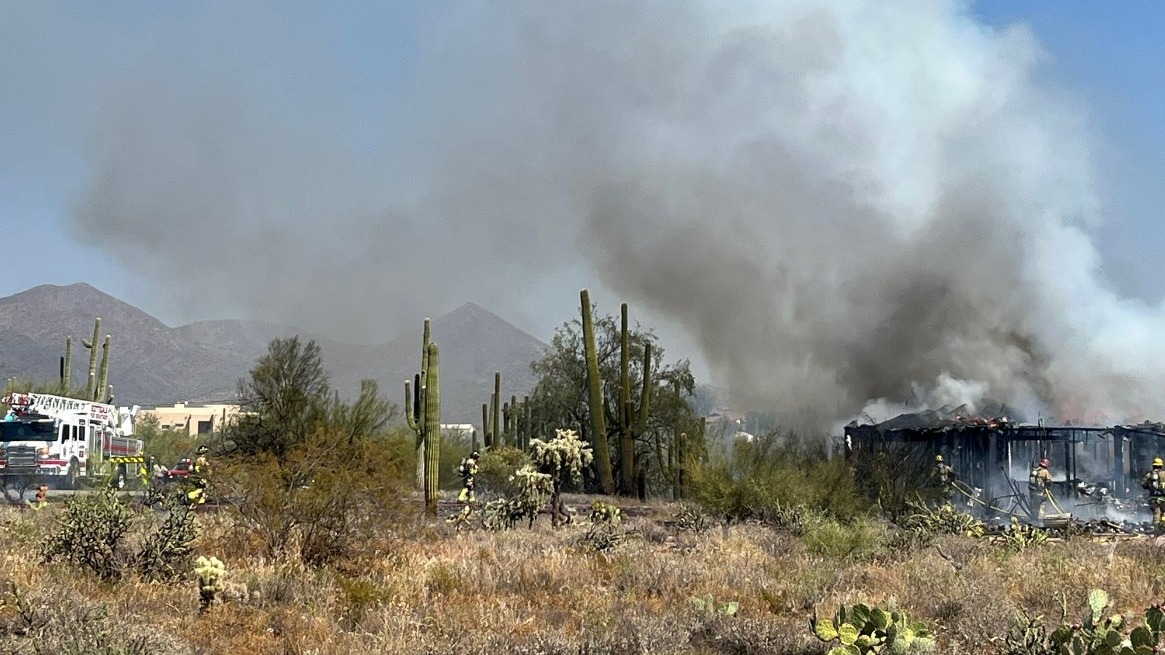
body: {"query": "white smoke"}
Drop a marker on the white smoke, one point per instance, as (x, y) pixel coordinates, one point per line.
(837, 199)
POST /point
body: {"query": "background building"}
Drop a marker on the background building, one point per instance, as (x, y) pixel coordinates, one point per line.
(194, 419)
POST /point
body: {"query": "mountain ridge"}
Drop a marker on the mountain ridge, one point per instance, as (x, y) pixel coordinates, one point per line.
(155, 364)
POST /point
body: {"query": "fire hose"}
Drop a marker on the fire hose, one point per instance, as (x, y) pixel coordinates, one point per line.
(968, 492)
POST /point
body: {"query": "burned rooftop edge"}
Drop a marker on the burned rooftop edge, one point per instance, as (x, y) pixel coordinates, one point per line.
(946, 419)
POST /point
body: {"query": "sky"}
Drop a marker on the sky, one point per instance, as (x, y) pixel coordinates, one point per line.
(351, 168)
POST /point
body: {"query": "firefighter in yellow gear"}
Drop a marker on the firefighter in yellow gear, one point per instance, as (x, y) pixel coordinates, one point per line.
(199, 469)
(468, 473)
(1154, 482)
(1038, 484)
(943, 477)
(42, 494)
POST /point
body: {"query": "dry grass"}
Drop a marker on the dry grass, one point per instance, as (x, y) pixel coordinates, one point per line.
(426, 588)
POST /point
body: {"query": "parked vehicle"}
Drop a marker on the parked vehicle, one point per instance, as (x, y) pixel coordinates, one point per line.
(67, 441)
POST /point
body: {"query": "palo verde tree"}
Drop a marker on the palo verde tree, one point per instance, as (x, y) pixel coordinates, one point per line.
(302, 465)
(561, 397)
(282, 401)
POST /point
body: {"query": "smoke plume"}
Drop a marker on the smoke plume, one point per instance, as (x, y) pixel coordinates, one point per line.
(839, 201)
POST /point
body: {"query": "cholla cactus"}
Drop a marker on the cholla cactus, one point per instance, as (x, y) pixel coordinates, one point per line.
(562, 457)
(212, 575)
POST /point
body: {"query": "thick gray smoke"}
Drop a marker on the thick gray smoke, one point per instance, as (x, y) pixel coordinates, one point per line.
(840, 201)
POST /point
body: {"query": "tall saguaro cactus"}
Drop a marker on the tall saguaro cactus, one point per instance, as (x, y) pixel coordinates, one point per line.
(632, 420)
(415, 407)
(598, 431)
(91, 383)
(432, 430)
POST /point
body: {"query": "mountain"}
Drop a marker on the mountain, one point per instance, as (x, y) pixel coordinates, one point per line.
(153, 364)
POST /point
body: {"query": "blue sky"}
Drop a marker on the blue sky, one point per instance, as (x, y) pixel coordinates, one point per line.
(347, 64)
(1111, 57)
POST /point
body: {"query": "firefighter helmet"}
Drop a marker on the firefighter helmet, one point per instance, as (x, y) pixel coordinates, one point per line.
(1158, 463)
(938, 458)
(1045, 463)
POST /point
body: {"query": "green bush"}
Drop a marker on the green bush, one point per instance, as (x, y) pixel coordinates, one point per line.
(769, 475)
(831, 538)
(496, 472)
(324, 499)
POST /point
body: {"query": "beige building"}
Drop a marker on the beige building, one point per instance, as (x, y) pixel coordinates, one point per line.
(194, 419)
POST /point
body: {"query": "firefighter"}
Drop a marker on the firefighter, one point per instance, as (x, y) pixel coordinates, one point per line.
(468, 473)
(199, 469)
(943, 476)
(1154, 482)
(42, 493)
(1038, 484)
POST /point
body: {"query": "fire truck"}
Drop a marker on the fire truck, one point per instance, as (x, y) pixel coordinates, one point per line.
(67, 441)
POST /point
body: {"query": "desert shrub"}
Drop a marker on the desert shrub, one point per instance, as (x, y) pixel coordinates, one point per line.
(496, 469)
(771, 474)
(327, 496)
(90, 534)
(54, 619)
(893, 475)
(455, 445)
(831, 538)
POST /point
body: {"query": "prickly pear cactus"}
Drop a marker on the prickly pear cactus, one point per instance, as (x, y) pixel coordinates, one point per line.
(1098, 634)
(863, 629)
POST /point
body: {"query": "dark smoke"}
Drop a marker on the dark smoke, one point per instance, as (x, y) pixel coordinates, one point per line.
(839, 201)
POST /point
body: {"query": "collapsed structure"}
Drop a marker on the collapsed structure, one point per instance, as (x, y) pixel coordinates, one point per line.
(993, 454)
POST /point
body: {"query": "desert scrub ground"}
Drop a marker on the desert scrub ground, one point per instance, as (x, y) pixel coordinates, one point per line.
(421, 586)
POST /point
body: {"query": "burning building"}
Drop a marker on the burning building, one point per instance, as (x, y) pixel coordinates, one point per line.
(993, 454)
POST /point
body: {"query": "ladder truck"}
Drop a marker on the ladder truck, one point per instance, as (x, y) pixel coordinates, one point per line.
(68, 441)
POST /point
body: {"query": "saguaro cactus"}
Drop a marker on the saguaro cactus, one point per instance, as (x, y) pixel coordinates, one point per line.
(632, 420)
(99, 392)
(486, 435)
(67, 367)
(499, 438)
(598, 431)
(415, 407)
(432, 430)
(91, 383)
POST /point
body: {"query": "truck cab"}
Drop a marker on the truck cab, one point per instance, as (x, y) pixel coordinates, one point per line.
(63, 439)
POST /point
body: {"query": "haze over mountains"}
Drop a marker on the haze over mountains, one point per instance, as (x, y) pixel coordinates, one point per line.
(154, 364)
